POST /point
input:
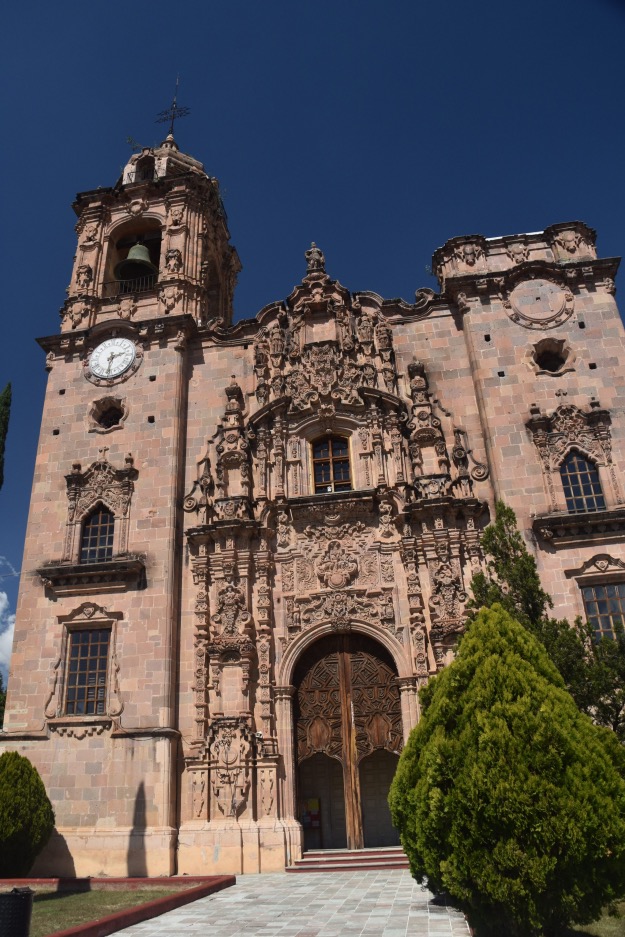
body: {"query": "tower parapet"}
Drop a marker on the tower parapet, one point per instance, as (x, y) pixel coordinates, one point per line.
(155, 244)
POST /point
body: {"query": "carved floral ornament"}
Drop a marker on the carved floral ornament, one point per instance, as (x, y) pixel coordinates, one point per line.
(100, 483)
(569, 427)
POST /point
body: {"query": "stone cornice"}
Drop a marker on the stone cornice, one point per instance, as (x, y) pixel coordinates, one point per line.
(115, 575)
(560, 529)
(146, 330)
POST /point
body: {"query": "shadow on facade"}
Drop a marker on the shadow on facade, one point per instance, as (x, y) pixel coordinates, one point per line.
(136, 862)
(55, 859)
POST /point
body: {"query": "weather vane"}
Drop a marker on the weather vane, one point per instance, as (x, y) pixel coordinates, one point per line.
(173, 113)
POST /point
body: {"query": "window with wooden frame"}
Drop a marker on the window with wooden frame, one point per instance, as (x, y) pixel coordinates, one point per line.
(330, 465)
(605, 608)
(86, 672)
(96, 541)
(581, 484)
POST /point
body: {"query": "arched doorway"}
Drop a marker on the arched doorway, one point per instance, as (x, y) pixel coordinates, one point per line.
(348, 738)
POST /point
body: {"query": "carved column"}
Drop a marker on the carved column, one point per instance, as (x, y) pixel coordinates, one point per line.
(283, 696)
(410, 710)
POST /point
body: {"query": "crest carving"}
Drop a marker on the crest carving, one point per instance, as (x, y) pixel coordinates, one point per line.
(337, 568)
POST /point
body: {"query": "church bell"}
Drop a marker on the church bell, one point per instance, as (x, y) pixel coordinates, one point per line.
(136, 265)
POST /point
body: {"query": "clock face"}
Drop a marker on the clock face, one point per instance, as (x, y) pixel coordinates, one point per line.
(112, 358)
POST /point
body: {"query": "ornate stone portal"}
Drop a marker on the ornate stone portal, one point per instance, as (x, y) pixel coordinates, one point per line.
(257, 593)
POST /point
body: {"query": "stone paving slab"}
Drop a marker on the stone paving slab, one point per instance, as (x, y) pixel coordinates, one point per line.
(385, 903)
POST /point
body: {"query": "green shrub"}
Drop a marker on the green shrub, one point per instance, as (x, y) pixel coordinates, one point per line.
(26, 815)
(506, 796)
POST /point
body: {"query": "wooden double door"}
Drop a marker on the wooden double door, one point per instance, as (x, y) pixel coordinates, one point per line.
(349, 735)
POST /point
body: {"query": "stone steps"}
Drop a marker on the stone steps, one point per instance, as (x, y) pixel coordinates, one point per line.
(350, 860)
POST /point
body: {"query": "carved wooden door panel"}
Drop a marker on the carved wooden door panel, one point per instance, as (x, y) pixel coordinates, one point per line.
(347, 706)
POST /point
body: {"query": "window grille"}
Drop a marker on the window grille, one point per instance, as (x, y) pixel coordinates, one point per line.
(582, 488)
(605, 608)
(96, 545)
(87, 666)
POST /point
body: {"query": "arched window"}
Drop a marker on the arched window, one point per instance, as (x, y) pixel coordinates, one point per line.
(96, 543)
(331, 471)
(582, 488)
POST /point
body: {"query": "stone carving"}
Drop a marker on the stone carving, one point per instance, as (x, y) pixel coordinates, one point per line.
(340, 608)
(283, 530)
(387, 530)
(84, 276)
(369, 570)
(568, 428)
(176, 214)
(232, 615)
(200, 496)
(173, 260)
(288, 577)
(126, 307)
(101, 483)
(517, 251)
(267, 784)
(90, 232)
(315, 261)
(199, 794)
(337, 568)
(573, 245)
(230, 751)
(601, 563)
(539, 303)
(169, 296)
(446, 608)
(305, 575)
(388, 571)
(232, 470)
(469, 255)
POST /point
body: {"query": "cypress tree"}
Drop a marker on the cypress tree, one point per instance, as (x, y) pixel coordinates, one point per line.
(593, 671)
(26, 815)
(5, 410)
(506, 796)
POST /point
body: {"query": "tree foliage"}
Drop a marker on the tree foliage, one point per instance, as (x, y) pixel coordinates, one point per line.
(26, 815)
(506, 796)
(593, 671)
(5, 410)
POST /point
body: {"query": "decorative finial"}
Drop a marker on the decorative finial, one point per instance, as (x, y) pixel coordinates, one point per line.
(174, 112)
(315, 260)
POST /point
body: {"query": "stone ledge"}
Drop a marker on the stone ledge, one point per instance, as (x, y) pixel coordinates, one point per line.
(118, 574)
(568, 529)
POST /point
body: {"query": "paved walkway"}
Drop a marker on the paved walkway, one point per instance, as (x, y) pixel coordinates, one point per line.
(318, 904)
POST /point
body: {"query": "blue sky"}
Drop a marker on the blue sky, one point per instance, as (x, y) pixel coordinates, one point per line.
(378, 130)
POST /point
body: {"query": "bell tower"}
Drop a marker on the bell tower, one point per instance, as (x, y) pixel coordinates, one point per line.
(153, 272)
(155, 244)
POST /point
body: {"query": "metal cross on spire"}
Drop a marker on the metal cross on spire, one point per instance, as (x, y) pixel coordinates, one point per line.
(174, 112)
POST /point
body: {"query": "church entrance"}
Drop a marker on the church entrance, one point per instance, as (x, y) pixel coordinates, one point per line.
(349, 735)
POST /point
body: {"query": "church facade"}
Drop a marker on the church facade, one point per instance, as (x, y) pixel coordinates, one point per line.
(250, 544)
